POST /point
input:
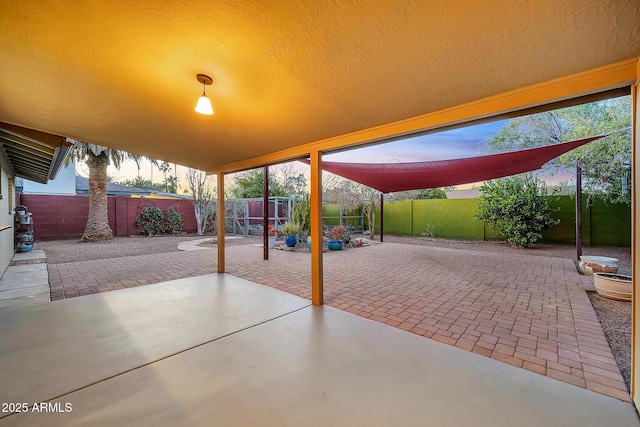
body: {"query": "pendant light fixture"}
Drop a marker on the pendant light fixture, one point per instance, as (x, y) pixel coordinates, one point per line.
(204, 105)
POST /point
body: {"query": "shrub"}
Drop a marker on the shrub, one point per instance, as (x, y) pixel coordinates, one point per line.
(301, 213)
(149, 220)
(172, 221)
(429, 231)
(431, 193)
(516, 208)
(339, 232)
(152, 220)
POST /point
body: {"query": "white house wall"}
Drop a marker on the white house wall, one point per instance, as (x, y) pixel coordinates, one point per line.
(6, 217)
(63, 185)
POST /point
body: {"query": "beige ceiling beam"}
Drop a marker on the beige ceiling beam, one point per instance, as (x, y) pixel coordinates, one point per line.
(17, 151)
(46, 139)
(27, 150)
(19, 141)
(608, 78)
(40, 178)
(21, 164)
(20, 154)
(34, 169)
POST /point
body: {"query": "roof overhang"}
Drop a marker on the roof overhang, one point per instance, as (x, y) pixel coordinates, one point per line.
(33, 155)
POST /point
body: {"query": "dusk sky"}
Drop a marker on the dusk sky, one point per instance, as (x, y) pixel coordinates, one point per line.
(452, 144)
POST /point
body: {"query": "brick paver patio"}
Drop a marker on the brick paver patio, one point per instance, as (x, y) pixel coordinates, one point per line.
(530, 312)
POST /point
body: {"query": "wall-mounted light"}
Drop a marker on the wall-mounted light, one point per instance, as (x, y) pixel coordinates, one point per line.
(204, 105)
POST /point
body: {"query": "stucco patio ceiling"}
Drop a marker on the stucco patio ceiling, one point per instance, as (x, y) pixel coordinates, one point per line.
(123, 73)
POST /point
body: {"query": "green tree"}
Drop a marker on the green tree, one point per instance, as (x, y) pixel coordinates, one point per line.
(153, 162)
(164, 168)
(138, 182)
(605, 162)
(516, 208)
(170, 184)
(431, 193)
(249, 184)
(427, 193)
(136, 158)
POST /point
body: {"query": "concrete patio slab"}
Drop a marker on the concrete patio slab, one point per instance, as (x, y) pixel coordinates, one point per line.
(192, 245)
(25, 301)
(17, 281)
(25, 280)
(24, 291)
(16, 271)
(307, 366)
(33, 256)
(51, 349)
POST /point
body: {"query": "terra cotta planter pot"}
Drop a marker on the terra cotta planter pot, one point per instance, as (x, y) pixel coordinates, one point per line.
(613, 286)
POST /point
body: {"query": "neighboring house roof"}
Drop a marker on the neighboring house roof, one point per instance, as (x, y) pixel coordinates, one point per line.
(470, 193)
(162, 195)
(113, 189)
(82, 187)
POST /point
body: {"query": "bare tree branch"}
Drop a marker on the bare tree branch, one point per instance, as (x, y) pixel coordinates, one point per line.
(202, 196)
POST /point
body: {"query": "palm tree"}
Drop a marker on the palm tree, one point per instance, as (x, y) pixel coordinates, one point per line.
(153, 162)
(97, 159)
(136, 158)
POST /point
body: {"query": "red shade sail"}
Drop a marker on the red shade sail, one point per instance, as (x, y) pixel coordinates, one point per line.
(391, 177)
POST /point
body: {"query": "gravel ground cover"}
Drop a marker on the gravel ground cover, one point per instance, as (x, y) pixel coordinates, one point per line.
(62, 251)
(614, 316)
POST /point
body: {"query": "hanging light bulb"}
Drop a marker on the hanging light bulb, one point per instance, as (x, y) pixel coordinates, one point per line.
(204, 105)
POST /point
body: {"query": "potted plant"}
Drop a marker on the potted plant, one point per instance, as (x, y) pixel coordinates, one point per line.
(272, 234)
(290, 231)
(336, 236)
